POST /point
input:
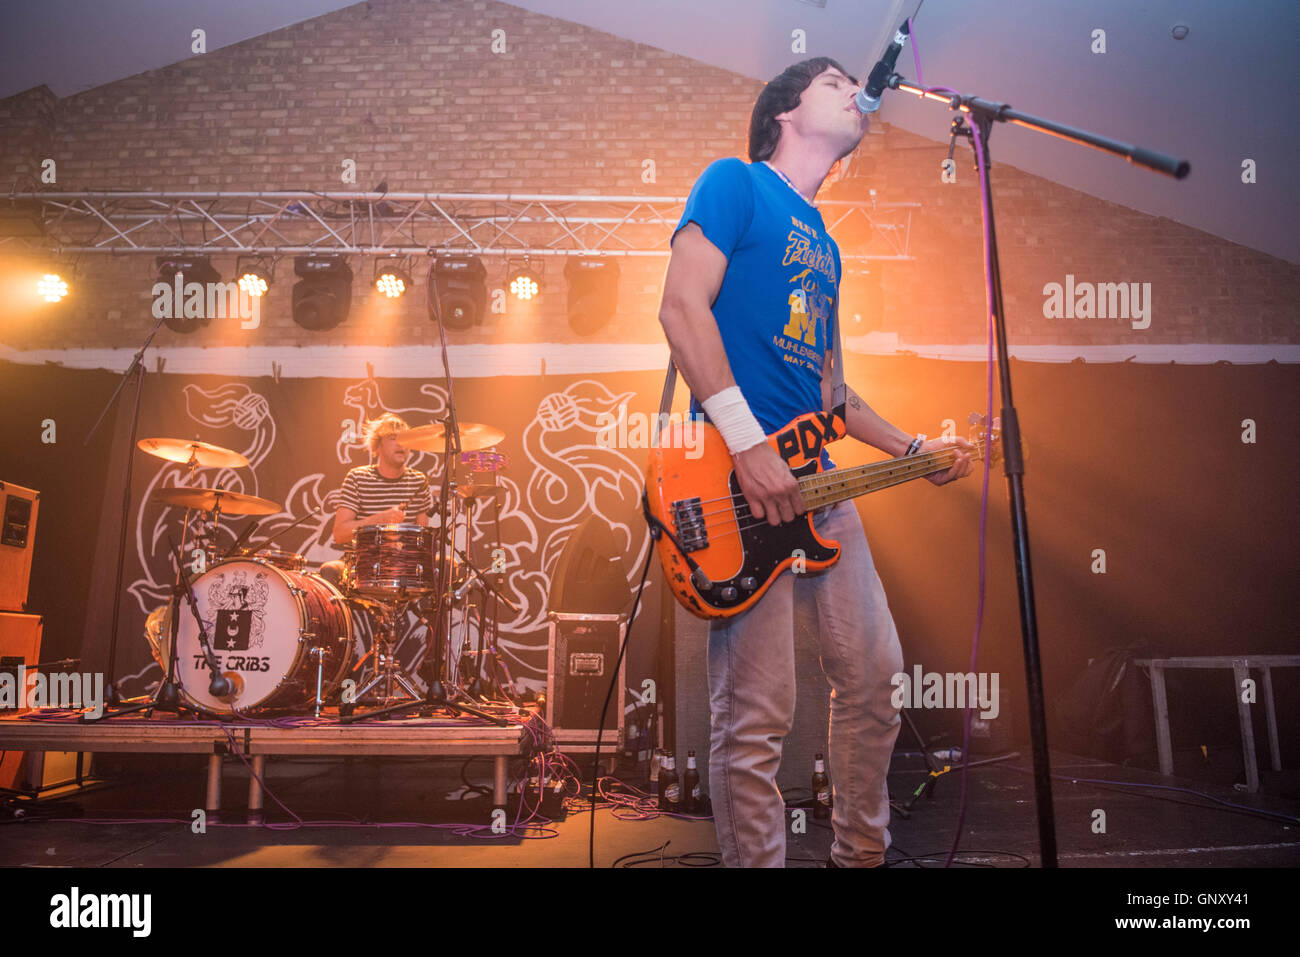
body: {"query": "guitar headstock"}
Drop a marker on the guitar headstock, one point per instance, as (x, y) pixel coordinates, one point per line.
(978, 429)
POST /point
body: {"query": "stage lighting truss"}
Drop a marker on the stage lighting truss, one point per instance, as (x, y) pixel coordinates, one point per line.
(393, 276)
(401, 224)
(254, 274)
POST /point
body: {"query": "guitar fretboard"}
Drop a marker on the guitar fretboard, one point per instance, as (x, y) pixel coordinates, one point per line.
(827, 488)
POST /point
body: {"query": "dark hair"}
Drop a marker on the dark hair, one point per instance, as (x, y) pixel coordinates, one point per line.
(780, 96)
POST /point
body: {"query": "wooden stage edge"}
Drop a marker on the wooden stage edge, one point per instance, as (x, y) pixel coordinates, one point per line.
(448, 738)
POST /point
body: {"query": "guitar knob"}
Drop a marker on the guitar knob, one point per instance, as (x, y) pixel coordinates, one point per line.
(729, 594)
(748, 583)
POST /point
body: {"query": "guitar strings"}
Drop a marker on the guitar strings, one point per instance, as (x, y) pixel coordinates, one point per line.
(941, 456)
(822, 479)
(759, 522)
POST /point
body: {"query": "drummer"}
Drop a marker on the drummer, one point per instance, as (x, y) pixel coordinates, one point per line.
(385, 492)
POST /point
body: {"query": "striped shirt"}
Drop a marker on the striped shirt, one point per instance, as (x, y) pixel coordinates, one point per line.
(366, 492)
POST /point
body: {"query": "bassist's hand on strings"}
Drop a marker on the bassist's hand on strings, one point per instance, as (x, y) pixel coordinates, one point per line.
(960, 468)
(770, 488)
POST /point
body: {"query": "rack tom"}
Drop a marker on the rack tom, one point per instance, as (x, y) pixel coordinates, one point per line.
(392, 561)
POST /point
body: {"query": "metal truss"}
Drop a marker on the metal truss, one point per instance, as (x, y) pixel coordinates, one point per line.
(271, 224)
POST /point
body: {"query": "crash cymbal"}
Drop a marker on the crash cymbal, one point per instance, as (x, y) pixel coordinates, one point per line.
(204, 453)
(232, 503)
(432, 437)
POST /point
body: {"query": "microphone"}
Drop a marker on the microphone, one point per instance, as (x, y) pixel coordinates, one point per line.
(868, 98)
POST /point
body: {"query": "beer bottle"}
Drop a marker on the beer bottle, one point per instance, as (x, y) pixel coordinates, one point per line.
(821, 788)
(670, 789)
(691, 803)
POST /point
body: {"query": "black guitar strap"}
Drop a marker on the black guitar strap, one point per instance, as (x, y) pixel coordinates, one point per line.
(839, 391)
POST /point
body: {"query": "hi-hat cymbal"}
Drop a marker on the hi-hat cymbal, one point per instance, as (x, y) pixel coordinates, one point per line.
(478, 491)
(433, 437)
(204, 453)
(231, 503)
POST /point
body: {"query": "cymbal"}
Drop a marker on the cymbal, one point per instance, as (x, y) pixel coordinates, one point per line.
(478, 491)
(232, 503)
(204, 453)
(432, 437)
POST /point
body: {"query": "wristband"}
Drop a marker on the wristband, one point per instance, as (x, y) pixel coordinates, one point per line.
(730, 415)
(916, 444)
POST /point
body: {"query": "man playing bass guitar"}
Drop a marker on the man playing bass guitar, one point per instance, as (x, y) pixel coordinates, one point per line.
(748, 310)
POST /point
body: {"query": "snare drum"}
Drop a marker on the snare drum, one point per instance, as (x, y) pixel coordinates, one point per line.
(392, 561)
(270, 628)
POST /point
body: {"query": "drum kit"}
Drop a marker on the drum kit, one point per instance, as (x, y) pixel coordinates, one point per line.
(267, 633)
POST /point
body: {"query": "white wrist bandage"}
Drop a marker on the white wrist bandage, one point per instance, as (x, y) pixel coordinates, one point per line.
(730, 415)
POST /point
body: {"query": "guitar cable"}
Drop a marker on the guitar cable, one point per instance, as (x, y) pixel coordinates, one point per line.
(655, 529)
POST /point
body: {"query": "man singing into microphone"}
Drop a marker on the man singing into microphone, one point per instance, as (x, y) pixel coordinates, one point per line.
(748, 310)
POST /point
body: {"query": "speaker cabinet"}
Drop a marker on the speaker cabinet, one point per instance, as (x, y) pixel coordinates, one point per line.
(18, 508)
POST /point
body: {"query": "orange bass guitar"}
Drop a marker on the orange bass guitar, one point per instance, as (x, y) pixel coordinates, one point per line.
(717, 557)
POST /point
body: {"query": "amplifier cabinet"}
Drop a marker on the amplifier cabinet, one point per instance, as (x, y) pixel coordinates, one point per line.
(18, 508)
(579, 667)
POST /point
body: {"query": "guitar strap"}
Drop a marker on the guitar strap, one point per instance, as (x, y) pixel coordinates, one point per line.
(839, 392)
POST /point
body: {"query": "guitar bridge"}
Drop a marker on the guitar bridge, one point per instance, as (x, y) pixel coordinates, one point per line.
(688, 517)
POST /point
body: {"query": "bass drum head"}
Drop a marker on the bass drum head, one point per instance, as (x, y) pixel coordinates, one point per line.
(253, 621)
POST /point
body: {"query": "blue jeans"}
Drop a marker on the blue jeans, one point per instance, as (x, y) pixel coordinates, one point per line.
(752, 697)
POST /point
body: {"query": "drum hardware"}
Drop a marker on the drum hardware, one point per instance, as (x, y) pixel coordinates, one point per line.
(169, 695)
(297, 562)
(319, 654)
(388, 670)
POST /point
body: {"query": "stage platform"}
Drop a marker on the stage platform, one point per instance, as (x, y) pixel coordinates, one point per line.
(370, 810)
(253, 741)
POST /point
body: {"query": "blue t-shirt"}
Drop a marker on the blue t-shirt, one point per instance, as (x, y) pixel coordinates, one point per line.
(774, 309)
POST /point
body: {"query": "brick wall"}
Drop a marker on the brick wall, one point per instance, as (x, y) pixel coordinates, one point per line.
(413, 92)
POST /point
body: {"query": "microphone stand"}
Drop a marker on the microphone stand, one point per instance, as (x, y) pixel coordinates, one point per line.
(984, 113)
(435, 696)
(168, 695)
(136, 368)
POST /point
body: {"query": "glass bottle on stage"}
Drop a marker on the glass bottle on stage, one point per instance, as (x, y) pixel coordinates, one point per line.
(691, 798)
(821, 789)
(670, 788)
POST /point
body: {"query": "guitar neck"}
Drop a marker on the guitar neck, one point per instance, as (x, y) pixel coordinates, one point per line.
(827, 488)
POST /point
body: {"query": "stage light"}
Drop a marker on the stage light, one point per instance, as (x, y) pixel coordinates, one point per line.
(323, 296)
(51, 287)
(460, 283)
(593, 293)
(393, 277)
(525, 284)
(190, 269)
(254, 277)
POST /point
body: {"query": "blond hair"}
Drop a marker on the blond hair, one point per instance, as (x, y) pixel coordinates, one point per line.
(376, 429)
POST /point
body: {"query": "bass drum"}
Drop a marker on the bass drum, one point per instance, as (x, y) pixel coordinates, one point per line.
(269, 628)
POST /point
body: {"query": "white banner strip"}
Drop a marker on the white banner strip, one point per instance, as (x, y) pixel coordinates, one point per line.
(532, 359)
